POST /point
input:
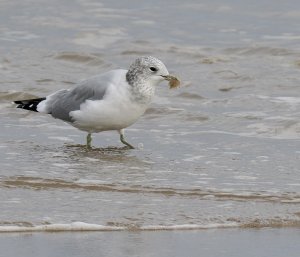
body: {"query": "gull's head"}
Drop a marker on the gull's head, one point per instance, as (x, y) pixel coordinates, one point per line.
(147, 69)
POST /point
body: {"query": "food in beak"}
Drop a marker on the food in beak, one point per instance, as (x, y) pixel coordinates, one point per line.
(173, 81)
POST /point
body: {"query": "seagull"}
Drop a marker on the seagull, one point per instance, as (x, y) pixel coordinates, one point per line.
(110, 101)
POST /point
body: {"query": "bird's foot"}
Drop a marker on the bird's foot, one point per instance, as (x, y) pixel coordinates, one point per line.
(89, 141)
(129, 146)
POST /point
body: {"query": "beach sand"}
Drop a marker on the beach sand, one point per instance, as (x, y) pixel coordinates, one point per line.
(213, 242)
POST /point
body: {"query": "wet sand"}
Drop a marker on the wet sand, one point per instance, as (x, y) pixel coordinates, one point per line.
(209, 243)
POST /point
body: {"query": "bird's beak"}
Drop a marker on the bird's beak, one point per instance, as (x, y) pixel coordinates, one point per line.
(173, 81)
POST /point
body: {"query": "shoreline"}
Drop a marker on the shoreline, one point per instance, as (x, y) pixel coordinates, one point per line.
(212, 242)
(87, 227)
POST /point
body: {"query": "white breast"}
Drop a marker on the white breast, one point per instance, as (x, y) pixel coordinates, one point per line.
(116, 111)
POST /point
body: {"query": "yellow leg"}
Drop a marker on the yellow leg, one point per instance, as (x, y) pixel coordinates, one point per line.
(123, 139)
(89, 140)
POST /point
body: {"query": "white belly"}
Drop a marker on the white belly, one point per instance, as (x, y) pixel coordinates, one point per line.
(111, 113)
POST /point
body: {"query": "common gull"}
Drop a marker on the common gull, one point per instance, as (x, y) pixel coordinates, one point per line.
(110, 101)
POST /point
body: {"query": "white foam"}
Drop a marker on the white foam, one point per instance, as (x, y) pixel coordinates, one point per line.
(82, 226)
(61, 138)
(75, 226)
(193, 158)
(190, 226)
(245, 177)
(282, 37)
(282, 99)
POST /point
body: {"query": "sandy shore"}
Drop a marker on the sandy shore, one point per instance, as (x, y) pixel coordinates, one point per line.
(219, 242)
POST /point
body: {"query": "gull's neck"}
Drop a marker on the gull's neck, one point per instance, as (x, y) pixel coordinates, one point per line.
(142, 90)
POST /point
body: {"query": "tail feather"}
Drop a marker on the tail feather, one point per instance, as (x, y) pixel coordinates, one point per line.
(30, 104)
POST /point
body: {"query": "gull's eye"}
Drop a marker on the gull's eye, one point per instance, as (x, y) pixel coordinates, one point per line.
(153, 69)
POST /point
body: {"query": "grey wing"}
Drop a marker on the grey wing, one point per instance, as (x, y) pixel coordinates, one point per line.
(63, 102)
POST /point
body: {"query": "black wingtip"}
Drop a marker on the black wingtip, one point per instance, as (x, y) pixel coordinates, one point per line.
(30, 104)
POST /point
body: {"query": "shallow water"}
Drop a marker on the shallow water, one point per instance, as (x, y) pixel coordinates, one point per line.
(226, 243)
(221, 151)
